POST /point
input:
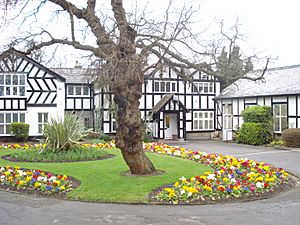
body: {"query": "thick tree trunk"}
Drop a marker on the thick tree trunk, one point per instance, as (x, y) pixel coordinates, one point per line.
(129, 137)
(128, 79)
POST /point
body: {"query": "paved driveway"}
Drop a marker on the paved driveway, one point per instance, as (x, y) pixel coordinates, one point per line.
(283, 209)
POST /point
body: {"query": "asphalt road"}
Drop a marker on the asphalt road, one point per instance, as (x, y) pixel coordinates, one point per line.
(284, 209)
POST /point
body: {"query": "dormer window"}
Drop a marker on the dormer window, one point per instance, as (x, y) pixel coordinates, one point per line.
(12, 85)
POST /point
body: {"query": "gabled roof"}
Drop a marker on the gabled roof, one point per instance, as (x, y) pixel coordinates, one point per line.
(164, 101)
(13, 57)
(277, 81)
(74, 75)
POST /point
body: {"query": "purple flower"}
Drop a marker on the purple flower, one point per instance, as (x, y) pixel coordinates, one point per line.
(229, 190)
(49, 188)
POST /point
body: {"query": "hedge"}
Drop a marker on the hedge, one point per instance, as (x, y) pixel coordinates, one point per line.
(258, 114)
(291, 137)
(254, 134)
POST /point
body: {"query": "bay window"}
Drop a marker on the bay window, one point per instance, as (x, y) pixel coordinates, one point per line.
(12, 85)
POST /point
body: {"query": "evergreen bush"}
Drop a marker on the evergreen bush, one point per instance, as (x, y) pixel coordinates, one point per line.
(258, 114)
(257, 127)
(20, 130)
(254, 134)
(105, 137)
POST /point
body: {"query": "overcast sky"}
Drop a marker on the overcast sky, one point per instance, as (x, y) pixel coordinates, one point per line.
(270, 27)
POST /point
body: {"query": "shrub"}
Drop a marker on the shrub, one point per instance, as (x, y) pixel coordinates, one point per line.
(254, 134)
(258, 114)
(105, 137)
(20, 130)
(63, 135)
(93, 135)
(277, 142)
(291, 137)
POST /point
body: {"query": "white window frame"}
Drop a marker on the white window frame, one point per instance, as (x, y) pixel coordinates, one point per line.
(203, 87)
(41, 124)
(280, 116)
(5, 122)
(10, 89)
(203, 120)
(162, 86)
(75, 87)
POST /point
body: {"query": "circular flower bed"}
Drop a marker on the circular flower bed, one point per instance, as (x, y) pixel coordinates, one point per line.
(41, 146)
(34, 181)
(232, 178)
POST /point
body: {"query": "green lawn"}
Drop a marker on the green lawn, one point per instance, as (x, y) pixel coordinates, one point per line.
(102, 181)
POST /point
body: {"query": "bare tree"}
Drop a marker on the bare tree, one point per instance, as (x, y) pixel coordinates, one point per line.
(127, 46)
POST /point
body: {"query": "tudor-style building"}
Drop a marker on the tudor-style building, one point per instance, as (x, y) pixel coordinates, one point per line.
(171, 106)
(79, 93)
(280, 89)
(30, 93)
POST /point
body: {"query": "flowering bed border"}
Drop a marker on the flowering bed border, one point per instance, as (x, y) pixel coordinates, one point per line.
(38, 182)
(233, 180)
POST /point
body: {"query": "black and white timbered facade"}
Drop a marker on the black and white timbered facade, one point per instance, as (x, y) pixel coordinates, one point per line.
(79, 94)
(29, 92)
(171, 106)
(280, 89)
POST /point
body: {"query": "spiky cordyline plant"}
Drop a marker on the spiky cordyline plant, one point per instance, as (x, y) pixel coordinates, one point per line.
(63, 134)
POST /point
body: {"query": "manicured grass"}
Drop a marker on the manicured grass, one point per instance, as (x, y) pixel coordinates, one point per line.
(102, 180)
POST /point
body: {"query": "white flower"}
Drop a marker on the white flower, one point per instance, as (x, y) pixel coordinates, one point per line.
(183, 179)
(204, 154)
(259, 184)
(233, 180)
(53, 178)
(211, 176)
(232, 168)
(182, 191)
(197, 156)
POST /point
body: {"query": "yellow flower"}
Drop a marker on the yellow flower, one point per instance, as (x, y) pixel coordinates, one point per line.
(62, 188)
(207, 188)
(235, 188)
(37, 184)
(259, 179)
(192, 179)
(185, 188)
(192, 190)
(203, 177)
(270, 179)
(176, 184)
(225, 179)
(267, 168)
